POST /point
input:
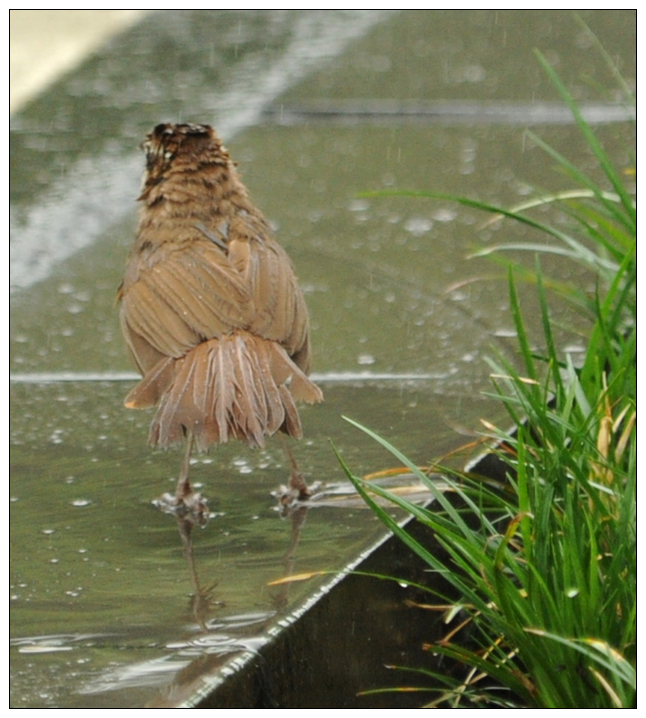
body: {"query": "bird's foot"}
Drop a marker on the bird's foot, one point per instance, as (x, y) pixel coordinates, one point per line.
(291, 496)
(191, 506)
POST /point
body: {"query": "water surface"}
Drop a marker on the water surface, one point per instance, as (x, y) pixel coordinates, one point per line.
(107, 603)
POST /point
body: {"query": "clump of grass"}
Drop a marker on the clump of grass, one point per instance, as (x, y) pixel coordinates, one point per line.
(545, 571)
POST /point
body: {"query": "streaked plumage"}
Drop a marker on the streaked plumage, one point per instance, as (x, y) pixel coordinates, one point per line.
(210, 307)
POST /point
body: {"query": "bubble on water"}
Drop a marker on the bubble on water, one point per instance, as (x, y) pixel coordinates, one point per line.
(359, 205)
(418, 225)
(445, 215)
(81, 502)
(365, 359)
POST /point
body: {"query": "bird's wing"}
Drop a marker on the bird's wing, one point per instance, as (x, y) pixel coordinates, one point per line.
(279, 312)
(178, 297)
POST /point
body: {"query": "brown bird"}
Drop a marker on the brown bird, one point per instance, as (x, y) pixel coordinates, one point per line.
(210, 308)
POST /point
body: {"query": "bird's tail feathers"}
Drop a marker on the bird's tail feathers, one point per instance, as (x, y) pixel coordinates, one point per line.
(239, 386)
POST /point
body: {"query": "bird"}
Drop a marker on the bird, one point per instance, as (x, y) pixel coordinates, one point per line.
(210, 309)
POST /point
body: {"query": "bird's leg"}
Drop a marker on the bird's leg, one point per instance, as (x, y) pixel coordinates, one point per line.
(187, 504)
(298, 487)
(186, 499)
(184, 487)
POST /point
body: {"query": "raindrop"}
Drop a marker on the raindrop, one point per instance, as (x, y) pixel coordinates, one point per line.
(474, 73)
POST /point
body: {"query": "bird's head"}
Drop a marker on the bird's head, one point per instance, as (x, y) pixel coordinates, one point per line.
(169, 145)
